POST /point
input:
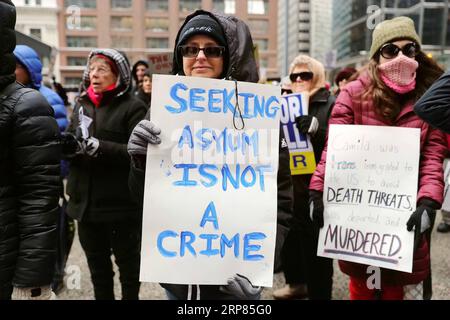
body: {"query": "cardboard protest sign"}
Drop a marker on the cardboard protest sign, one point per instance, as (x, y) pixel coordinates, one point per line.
(369, 194)
(160, 63)
(300, 148)
(210, 204)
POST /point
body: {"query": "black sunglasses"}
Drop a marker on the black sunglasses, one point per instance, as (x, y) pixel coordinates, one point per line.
(210, 52)
(305, 76)
(390, 50)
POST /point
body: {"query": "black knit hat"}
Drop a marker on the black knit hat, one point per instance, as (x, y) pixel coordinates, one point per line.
(202, 24)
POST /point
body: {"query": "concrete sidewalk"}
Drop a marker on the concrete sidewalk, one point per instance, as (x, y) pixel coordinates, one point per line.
(440, 255)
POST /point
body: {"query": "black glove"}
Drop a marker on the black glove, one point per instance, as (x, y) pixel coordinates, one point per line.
(240, 287)
(70, 145)
(316, 207)
(422, 219)
(307, 124)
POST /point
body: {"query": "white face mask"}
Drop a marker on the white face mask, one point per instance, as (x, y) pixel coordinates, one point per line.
(399, 74)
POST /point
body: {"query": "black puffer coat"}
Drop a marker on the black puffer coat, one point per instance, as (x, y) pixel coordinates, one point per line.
(241, 67)
(29, 174)
(98, 187)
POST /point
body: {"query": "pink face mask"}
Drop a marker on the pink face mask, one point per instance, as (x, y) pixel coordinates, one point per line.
(399, 74)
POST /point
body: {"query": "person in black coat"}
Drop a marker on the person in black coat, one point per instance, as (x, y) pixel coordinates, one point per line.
(434, 108)
(307, 274)
(96, 144)
(29, 179)
(235, 62)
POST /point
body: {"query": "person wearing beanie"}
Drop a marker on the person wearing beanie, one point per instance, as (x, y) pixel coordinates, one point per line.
(137, 73)
(384, 94)
(343, 77)
(30, 179)
(109, 221)
(211, 45)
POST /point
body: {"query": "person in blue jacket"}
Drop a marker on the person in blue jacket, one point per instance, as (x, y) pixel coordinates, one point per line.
(29, 73)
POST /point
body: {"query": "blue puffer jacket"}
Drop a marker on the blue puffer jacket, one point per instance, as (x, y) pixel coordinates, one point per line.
(30, 59)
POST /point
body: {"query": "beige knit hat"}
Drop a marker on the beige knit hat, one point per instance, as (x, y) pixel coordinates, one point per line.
(388, 30)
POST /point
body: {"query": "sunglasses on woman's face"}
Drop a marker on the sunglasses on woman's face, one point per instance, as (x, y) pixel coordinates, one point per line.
(304, 76)
(390, 50)
(210, 52)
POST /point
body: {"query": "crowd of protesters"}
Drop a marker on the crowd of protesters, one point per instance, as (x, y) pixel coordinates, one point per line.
(101, 152)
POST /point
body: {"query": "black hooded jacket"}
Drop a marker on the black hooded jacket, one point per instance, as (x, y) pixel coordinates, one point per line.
(29, 174)
(241, 67)
(434, 106)
(98, 186)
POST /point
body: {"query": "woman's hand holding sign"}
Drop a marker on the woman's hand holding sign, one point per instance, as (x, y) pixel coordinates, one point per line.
(144, 133)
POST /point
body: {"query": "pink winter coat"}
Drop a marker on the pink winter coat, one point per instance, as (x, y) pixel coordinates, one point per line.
(349, 109)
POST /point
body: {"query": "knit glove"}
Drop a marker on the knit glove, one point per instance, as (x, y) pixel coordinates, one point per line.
(240, 287)
(307, 124)
(91, 146)
(316, 208)
(422, 219)
(39, 293)
(144, 133)
(70, 145)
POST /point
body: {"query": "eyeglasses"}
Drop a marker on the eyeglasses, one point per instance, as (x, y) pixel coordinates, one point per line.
(209, 52)
(390, 50)
(100, 70)
(304, 76)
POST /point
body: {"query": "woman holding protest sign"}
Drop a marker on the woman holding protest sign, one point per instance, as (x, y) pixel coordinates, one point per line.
(212, 46)
(305, 273)
(383, 95)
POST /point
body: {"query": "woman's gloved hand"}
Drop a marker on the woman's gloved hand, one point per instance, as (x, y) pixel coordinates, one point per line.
(241, 288)
(144, 133)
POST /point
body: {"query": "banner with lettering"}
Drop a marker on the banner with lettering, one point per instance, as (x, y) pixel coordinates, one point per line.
(369, 194)
(210, 204)
(300, 148)
(160, 63)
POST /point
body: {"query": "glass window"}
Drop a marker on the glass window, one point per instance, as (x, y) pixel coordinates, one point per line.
(81, 41)
(121, 41)
(258, 26)
(157, 5)
(225, 6)
(81, 3)
(76, 61)
(122, 23)
(121, 4)
(72, 81)
(258, 6)
(86, 23)
(157, 43)
(432, 27)
(263, 44)
(36, 33)
(157, 24)
(188, 6)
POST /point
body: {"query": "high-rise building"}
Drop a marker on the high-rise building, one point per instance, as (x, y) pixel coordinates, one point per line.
(304, 26)
(354, 21)
(39, 19)
(141, 27)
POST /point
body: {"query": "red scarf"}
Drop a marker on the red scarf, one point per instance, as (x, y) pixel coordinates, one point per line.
(97, 98)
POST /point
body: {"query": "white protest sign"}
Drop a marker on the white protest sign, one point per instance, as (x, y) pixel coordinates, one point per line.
(302, 160)
(210, 204)
(369, 194)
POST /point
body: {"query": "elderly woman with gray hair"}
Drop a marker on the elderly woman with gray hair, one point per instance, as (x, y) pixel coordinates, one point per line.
(307, 274)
